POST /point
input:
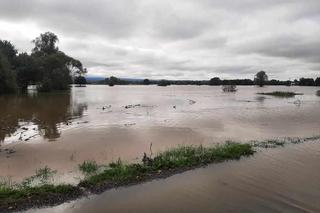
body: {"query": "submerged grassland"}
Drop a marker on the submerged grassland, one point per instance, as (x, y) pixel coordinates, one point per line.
(37, 190)
(280, 94)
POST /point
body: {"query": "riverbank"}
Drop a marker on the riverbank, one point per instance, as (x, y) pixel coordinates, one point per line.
(22, 196)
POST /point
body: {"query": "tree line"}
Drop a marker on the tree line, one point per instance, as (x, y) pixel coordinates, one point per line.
(260, 79)
(46, 67)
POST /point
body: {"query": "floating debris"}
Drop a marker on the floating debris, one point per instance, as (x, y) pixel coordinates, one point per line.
(191, 102)
(130, 124)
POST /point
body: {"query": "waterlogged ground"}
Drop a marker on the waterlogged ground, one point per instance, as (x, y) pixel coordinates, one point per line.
(274, 180)
(103, 123)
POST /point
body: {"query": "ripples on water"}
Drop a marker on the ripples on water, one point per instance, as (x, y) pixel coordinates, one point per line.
(103, 123)
(24, 118)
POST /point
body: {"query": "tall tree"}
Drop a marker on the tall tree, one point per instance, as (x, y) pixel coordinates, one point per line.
(45, 44)
(27, 71)
(7, 76)
(8, 50)
(306, 82)
(146, 81)
(317, 82)
(215, 81)
(261, 78)
(56, 68)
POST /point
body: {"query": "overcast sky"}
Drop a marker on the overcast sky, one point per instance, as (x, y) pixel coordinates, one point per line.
(175, 39)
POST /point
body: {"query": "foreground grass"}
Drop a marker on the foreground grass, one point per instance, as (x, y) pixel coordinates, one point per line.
(177, 158)
(36, 191)
(280, 94)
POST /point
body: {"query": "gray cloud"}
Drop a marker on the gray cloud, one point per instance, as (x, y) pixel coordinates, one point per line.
(174, 38)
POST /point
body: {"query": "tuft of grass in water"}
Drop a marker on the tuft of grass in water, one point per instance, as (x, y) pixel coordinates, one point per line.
(42, 177)
(88, 167)
(318, 93)
(280, 94)
(176, 158)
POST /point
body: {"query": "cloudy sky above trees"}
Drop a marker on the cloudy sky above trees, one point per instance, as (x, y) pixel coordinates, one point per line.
(175, 39)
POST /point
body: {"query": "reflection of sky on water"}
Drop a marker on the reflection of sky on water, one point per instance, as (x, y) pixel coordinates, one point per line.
(202, 108)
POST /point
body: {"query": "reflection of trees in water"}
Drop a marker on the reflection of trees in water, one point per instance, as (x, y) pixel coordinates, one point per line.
(47, 111)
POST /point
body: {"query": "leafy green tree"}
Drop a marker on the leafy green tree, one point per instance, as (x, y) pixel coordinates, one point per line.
(146, 82)
(306, 82)
(7, 76)
(45, 44)
(317, 81)
(261, 78)
(80, 80)
(112, 81)
(27, 71)
(55, 67)
(8, 50)
(215, 81)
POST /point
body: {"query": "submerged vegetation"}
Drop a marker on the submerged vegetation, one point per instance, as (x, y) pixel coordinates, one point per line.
(177, 158)
(318, 93)
(88, 167)
(280, 94)
(38, 190)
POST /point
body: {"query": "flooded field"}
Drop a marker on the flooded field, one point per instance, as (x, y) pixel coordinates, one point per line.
(278, 180)
(103, 123)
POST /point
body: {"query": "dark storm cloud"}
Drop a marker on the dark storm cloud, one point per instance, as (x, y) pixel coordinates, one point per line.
(289, 46)
(175, 38)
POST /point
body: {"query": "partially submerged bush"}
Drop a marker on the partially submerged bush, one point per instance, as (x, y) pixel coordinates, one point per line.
(229, 88)
(43, 176)
(318, 93)
(88, 167)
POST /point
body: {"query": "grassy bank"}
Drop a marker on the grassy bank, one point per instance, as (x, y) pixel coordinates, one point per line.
(280, 94)
(36, 191)
(177, 158)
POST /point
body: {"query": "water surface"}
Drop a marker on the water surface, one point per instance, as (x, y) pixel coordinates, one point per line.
(103, 123)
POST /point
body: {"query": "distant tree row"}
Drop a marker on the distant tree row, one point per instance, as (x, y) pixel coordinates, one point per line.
(46, 67)
(260, 79)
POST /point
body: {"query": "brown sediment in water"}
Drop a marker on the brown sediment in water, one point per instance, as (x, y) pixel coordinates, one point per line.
(79, 129)
(275, 180)
(87, 187)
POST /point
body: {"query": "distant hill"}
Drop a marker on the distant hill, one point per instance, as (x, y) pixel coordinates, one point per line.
(94, 78)
(91, 79)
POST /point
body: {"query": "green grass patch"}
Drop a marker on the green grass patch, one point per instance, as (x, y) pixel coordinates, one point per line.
(280, 94)
(88, 167)
(14, 194)
(176, 158)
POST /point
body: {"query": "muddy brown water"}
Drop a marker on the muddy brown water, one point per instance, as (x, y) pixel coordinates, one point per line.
(278, 180)
(103, 123)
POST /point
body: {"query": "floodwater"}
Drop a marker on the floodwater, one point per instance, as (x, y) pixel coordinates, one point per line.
(278, 180)
(104, 123)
